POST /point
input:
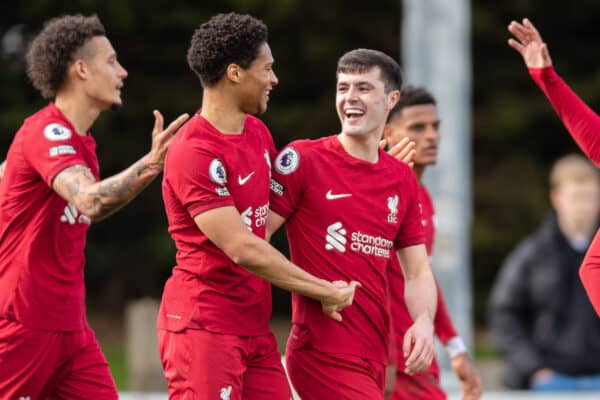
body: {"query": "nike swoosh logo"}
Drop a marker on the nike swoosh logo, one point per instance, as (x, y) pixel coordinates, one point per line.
(242, 181)
(331, 196)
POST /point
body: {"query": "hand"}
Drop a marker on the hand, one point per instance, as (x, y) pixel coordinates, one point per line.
(542, 375)
(467, 376)
(390, 380)
(419, 337)
(161, 139)
(528, 42)
(403, 151)
(342, 297)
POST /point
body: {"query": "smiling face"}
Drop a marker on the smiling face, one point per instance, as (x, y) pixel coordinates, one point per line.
(104, 75)
(420, 123)
(362, 103)
(257, 81)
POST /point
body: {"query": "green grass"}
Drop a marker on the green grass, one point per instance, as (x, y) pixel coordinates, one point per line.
(115, 355)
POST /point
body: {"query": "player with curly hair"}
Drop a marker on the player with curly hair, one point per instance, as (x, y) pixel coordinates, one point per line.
(213, 325)
(50, 193)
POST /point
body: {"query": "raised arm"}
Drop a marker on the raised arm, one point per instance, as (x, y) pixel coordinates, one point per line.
(579, 119)
(224, 227)
(421, 299)
(98, 200)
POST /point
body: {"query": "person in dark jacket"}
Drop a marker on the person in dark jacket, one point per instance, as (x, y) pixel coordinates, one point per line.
(541, 319)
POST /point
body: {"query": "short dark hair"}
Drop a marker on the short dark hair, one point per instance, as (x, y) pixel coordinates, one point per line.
(222, 40)
(412, 96)
(55, 48)
(362, 60)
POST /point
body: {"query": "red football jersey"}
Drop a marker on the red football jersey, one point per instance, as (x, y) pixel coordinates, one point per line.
(443, 326)
(42, 237)
(206, 169)
(345, 218)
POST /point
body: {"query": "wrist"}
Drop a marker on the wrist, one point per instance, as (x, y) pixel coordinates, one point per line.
(455, 347)
(149, 165)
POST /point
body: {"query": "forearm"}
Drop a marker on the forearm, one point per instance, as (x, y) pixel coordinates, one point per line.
(98, 200)
(265, 261)
(421, 295)
(579, 119)
(2, 167)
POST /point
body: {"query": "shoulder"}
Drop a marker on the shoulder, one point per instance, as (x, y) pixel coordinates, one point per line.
(294, 154)
(48, 125)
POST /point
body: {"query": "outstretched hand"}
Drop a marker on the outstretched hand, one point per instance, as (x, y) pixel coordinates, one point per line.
(161, 138)
(528, 42)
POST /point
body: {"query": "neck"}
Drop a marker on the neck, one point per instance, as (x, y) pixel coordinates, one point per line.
(77, 109)
(419, 170)
(573, 230)
(222, 111)
(363, 147)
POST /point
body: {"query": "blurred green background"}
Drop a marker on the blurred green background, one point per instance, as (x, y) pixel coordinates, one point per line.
(516, 135)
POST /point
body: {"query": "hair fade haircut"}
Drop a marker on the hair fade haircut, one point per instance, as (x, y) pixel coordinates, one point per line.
(363, 60)
(223, 40)
(55, 48)
(412, 96)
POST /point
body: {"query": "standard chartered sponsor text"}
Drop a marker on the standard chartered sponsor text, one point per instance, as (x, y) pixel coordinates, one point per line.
(371, 245)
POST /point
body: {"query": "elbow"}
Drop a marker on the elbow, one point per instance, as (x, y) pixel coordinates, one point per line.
(243, 252)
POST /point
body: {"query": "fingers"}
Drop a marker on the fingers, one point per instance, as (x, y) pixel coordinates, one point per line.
(382, 144)
(173, 126)
(516, 45)
(421, 355)
(404, 150)
(158, 122)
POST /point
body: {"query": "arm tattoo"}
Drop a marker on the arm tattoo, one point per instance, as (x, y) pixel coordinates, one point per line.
(98, 200)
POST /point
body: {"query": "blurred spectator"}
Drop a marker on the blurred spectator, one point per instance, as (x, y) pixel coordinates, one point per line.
(541, 318)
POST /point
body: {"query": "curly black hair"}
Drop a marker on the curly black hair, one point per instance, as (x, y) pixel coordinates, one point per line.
(412, 96)
(55, 48)
(362, 60)
(222, 40)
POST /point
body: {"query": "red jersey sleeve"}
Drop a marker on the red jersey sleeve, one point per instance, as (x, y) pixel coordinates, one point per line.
(51, 147)
(288, 181)
(198, 178)
(411, 229)
(580, 120)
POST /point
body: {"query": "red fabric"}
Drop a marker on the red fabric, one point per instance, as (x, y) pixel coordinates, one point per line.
(207, 290)
(345, 217)
(42, 239)
(580, 120)
(317, 376)
(427, 382)
(40, 364)
(584, 125)
(202, 365)
(423, 386)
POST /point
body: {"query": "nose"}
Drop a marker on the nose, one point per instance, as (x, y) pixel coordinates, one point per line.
(122, 72)
(274, 79)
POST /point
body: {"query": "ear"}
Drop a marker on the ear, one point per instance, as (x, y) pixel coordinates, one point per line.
(394, 97)
(79, 69)
(234, 73)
